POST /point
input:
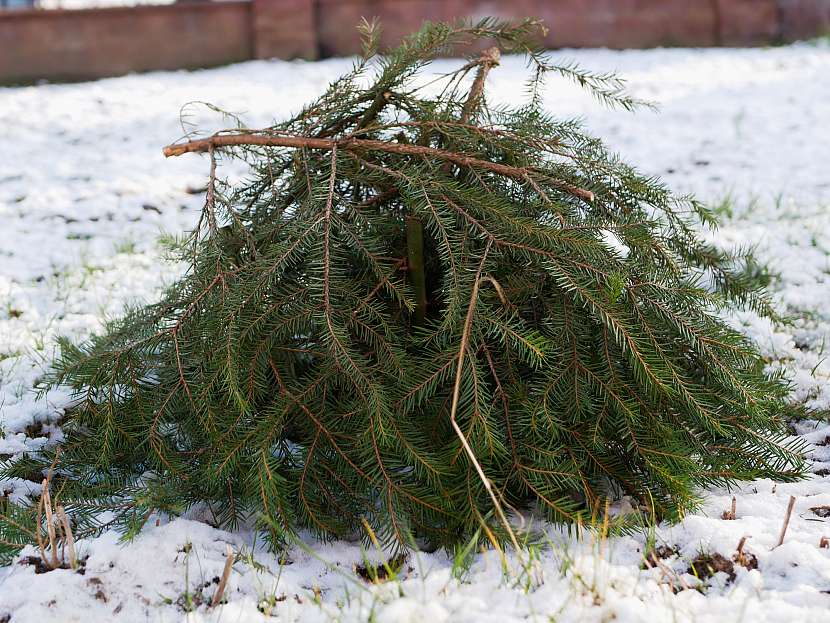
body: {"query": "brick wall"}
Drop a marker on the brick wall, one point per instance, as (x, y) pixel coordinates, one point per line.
(91, 43)
(284, 29)
(801, 19)
(84, 44)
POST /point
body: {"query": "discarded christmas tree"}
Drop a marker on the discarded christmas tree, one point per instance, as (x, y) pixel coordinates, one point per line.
(419, 308)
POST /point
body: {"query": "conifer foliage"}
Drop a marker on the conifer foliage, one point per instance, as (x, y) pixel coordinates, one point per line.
(415, 303)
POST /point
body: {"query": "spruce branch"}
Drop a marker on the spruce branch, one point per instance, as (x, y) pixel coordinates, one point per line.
(417, 312)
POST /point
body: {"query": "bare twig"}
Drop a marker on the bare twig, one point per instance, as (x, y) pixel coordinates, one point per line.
(268, 139)
(489, 58)
(210, 198)
(223, 581)
(786, 521)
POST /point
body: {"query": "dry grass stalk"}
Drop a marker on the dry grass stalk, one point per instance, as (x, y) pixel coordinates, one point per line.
(68, 537)
(740, 548)
(223, 582)
(40, 544)
(669, 576)
(465, 337)
(58, 529)
(603, 541)
(50, 524)
(745, 559)
(786, 521)
(732, 513)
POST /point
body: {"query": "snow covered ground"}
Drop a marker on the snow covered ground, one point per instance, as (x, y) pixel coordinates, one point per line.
(85, 194)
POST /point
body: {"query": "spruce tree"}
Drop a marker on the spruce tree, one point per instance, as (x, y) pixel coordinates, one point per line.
(419, 307)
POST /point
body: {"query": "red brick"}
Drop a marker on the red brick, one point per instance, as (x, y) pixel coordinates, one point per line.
(748, 22)
(803, 19)
(572, 23)
(284, 29)
(631, 23)
(92, 43)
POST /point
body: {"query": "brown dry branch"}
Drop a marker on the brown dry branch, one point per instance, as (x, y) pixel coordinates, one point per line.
(266, 139)
(489, 58)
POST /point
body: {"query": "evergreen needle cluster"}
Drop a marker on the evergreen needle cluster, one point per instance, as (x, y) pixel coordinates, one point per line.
(413, 288)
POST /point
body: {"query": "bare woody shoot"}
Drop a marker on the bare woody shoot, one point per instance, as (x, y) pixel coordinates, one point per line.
(427, 314)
